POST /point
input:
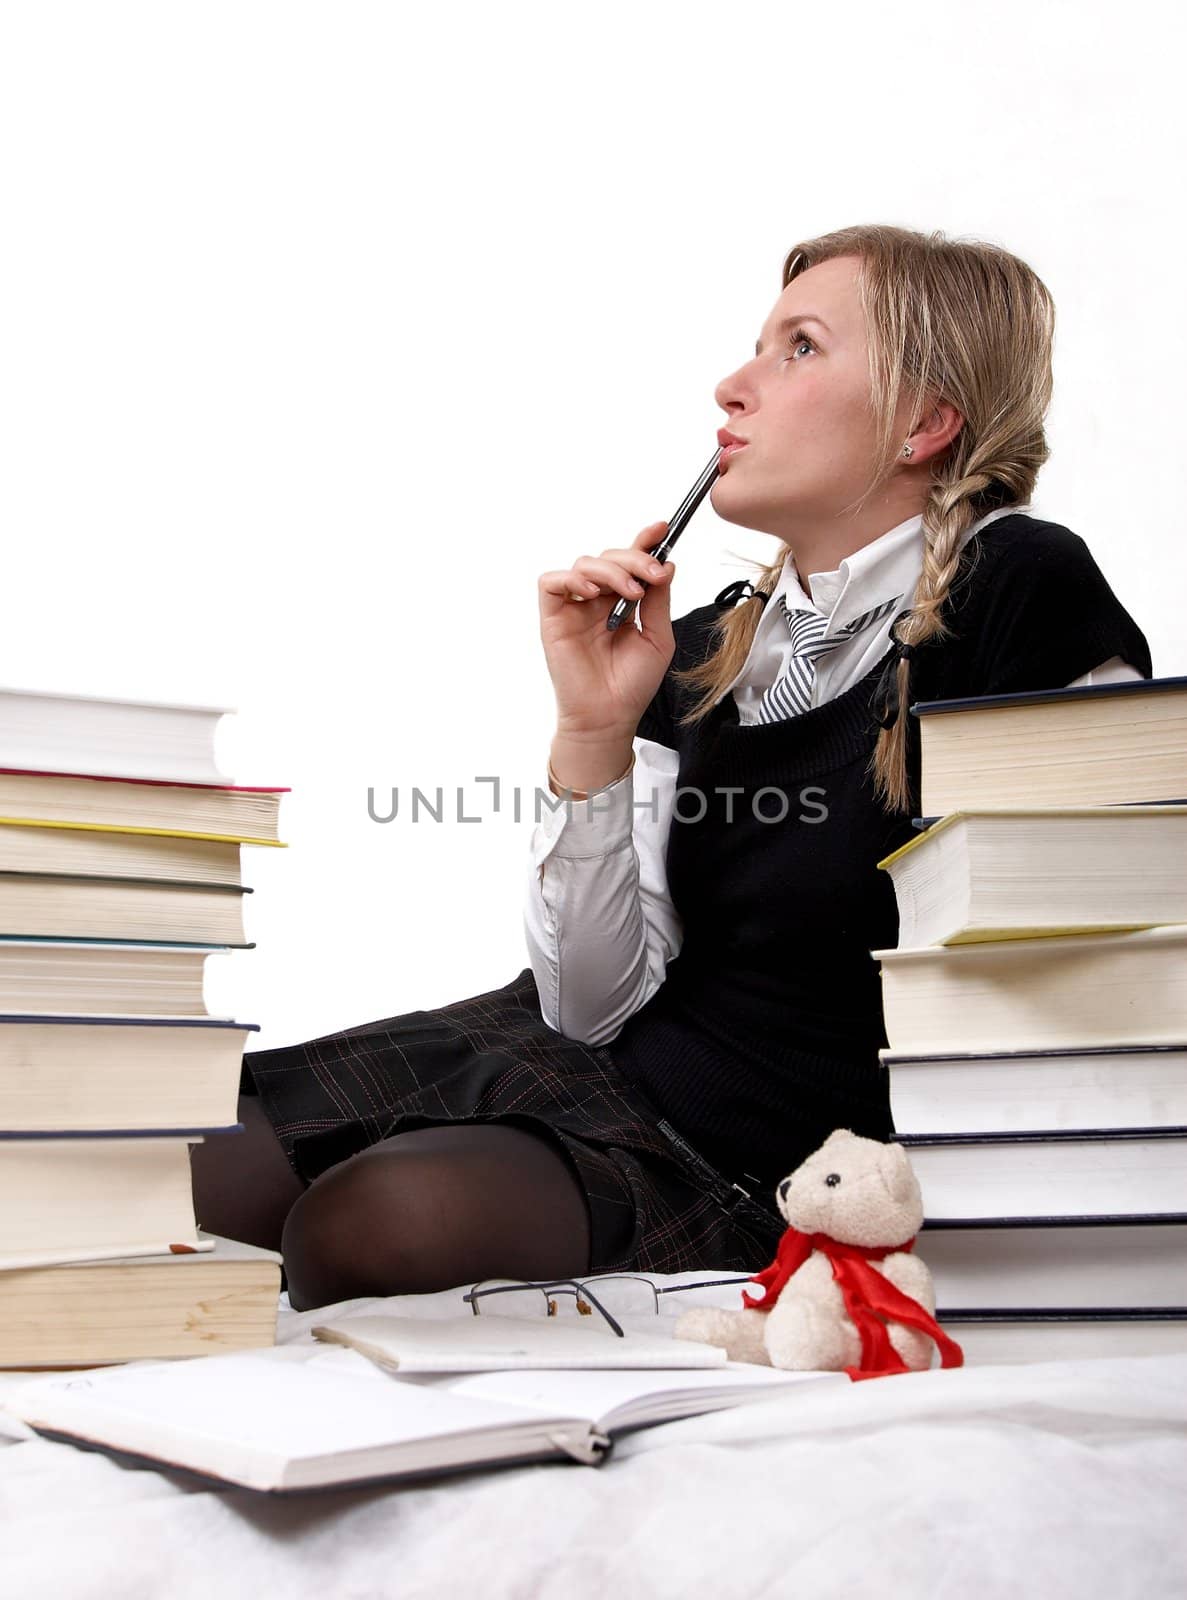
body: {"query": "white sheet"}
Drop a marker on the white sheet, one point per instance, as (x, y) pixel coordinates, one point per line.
(1060, 1479)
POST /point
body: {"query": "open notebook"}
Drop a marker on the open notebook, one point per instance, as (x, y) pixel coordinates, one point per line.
(297, 1417)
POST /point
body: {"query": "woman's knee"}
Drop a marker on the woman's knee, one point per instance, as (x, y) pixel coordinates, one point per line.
(331, 1235)
(433, 1209)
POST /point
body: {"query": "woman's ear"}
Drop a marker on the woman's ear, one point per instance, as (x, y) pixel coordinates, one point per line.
(934, 431)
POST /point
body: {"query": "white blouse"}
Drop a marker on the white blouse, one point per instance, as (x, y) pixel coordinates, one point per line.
(598, 918)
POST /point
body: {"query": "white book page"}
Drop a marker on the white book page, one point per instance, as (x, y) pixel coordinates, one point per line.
(109, 1254)
(249, 1415)
(622, 1399)
(494, 1344)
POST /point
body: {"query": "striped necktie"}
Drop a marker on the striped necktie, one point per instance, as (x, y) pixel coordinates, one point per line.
(791, 693)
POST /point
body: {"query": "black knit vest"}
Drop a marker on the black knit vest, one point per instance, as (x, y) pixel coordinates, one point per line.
(764, 1035)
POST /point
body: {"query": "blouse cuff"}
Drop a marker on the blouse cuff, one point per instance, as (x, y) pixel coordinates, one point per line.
(573, 829)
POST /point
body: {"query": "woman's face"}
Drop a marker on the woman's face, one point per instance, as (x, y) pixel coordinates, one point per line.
(803, 407)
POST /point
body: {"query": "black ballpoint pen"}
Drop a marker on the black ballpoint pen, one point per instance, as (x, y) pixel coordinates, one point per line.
(625, 608)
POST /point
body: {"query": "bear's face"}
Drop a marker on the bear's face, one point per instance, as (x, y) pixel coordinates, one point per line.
(856, 1190)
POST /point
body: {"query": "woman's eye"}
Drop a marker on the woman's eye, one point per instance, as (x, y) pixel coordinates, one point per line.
(798, 339)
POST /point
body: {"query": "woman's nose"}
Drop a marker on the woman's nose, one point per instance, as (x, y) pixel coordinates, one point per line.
(731, 393)
(726, 395)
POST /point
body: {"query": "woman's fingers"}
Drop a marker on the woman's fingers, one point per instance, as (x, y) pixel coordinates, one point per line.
(561, 582)
(647, 538)
(655, 616)
(612, 576)
(557, 588)
(625, 572)
(593, 575)
(641, 563)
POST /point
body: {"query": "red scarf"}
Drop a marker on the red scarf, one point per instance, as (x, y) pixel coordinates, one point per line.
(869, 1299)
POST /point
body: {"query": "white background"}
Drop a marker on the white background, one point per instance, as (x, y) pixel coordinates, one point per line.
(326, 328)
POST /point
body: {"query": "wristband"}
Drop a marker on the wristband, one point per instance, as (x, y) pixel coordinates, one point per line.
(559, 789)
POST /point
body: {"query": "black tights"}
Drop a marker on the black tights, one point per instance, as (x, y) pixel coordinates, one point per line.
(425, 1210)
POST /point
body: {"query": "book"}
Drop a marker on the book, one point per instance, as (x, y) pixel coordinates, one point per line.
(279, 1421)
(1032, 873)
(62, 906)
(94, 1074)
(184, 1303)
(1030, 994)
(108, 851)
(1106, 744)
(83, 1198)
(1086, 1174)
(496, 1344)
(1008, 1337)
(1031, 1262)
(219, 811)
(102, 976)
(1034, 1091)
(44, 730)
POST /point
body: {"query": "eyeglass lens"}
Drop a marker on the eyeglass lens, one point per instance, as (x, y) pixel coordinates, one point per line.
(620, 1296)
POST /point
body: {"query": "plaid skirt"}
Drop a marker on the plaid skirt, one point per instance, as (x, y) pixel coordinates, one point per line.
(655, 1203)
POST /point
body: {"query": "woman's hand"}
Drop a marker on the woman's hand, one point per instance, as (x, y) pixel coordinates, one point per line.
(604, 681)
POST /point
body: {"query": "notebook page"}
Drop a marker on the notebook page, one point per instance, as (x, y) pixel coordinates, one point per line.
(619, 1399)
(252, 1416)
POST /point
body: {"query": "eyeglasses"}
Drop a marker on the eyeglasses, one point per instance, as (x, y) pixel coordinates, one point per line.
(617, 1296)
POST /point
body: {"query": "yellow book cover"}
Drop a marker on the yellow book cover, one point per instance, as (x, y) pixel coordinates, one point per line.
(168, 833)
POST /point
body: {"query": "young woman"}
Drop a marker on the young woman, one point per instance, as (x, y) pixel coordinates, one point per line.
(701, 1008)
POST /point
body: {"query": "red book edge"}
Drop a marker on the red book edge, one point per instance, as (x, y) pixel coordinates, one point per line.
(167, 783)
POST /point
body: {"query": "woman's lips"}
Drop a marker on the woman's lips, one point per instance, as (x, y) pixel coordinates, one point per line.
(730, 445)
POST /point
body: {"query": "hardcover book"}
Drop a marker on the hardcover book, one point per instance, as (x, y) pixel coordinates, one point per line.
(1106, 744)
(1031, 873)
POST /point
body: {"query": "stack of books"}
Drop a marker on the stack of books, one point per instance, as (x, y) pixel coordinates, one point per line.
(1036, 1018)
(119, 874)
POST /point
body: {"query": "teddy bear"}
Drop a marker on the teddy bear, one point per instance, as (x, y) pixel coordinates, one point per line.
(844, 1292)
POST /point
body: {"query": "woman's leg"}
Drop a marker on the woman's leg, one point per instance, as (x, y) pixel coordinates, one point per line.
(435, 1208)
(243, 1183)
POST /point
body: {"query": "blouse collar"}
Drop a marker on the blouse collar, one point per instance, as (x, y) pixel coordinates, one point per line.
(887, 568)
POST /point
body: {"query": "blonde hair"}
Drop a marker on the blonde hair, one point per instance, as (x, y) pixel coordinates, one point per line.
(955, 320)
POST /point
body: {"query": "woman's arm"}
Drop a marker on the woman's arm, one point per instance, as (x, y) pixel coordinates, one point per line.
(599, 921)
